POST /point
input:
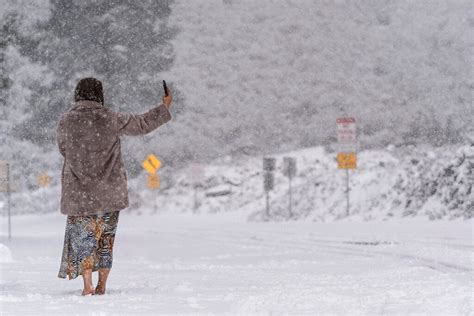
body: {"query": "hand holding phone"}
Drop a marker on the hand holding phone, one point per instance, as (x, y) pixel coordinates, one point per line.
(165, 88)
(167, 98)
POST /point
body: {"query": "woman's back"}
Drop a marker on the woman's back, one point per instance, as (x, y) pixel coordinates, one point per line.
(93, 176)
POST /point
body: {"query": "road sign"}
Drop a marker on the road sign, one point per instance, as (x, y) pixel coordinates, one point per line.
(347, 160)
(269, 164)
(346, 134)
(151, 164)
(346, 130)
(289, 167)
(43, 180)
(153, 182)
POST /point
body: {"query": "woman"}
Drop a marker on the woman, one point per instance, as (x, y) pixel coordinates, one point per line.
(94, 183)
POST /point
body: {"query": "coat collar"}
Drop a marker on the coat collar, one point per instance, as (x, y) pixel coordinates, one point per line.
(86, 104)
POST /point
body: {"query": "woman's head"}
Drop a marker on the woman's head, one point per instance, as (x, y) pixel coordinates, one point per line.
(89, 89)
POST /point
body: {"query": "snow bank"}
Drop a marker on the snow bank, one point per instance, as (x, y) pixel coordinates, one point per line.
(436, 183)
(5, 254)
(391, 183)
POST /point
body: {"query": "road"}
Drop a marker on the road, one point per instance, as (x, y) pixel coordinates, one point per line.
(220, 264)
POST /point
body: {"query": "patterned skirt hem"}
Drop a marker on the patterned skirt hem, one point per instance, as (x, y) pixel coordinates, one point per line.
(88, 244)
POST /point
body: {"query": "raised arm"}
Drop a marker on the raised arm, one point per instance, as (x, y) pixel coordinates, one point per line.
(132, 124)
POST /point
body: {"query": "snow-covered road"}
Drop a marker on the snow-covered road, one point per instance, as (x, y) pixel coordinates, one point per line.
(220, 264)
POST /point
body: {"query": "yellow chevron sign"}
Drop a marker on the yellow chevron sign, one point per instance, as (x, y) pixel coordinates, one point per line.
(151, 164)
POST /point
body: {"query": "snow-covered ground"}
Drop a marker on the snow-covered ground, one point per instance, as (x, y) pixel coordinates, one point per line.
(184, 263)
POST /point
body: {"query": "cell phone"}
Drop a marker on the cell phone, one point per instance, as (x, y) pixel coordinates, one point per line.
(165, 88)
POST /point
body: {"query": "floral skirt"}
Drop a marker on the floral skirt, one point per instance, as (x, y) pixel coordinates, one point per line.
(88, 244)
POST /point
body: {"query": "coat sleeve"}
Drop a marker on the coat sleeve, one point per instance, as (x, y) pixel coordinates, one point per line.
(132, 124)
(61, 137)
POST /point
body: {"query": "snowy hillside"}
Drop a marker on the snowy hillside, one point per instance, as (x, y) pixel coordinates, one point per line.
(390, 183)
(436, 183)
(395, 182)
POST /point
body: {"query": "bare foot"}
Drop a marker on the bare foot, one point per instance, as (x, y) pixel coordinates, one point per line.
(88, 292)
(100, 289)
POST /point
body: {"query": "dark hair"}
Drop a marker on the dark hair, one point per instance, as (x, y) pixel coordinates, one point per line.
(89, 89)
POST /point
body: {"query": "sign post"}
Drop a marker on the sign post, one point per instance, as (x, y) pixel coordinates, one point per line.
(153, 181)
(289, 170)
(268, 180)
(151, 164)
(9, 204)
(347, 157)
(5, 186)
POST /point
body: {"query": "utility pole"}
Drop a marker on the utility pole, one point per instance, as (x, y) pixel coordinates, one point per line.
(9, 202)
(289, 196)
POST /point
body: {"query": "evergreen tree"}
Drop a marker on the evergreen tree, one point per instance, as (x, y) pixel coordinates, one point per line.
(124, 43)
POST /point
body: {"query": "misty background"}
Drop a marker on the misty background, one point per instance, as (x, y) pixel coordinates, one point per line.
(249, 78)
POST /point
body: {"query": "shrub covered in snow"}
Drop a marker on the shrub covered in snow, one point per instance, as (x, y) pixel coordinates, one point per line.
(409, 181)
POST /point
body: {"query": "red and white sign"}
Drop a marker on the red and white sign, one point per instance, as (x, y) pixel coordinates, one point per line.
(347, 138)
(346, 130)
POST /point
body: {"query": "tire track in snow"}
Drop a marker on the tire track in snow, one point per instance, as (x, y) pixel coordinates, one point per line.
(273, 240)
